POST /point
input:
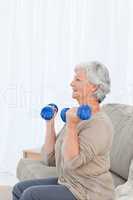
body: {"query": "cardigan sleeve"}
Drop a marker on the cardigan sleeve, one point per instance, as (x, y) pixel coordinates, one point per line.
(48, 159)
(93, 141)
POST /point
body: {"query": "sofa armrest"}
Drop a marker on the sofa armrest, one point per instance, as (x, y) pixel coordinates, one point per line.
(33, 154)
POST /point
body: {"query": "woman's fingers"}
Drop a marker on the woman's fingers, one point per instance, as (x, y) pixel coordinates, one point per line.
(55, 113)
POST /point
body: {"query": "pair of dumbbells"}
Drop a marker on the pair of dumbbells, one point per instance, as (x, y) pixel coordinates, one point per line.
(83, 112)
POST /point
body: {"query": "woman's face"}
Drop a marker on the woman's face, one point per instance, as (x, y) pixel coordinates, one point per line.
(81, 86)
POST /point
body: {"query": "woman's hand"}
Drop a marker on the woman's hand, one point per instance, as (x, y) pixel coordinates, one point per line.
(71, 117)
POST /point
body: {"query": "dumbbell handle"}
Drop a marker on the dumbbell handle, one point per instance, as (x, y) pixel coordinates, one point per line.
(84, 112)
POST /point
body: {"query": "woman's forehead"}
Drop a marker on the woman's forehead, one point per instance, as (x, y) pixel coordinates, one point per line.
(80, 72)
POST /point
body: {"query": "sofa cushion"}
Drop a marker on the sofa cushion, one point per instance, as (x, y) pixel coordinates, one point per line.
(33, 169)
(117, 179)
(126, 189)
(122, 148)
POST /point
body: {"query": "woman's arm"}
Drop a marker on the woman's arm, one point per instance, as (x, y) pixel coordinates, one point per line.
(50, 137)
(71, 143)
(82, 148)
(48, 149)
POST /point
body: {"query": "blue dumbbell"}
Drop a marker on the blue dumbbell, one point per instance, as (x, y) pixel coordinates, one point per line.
(48, 111)
(83, 112)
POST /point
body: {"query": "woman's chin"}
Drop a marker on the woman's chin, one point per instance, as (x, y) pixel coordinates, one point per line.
(74, 96)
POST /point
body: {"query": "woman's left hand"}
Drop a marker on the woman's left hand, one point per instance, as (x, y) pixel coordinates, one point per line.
(71, 117)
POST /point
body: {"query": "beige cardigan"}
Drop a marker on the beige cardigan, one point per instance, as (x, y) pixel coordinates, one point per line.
(87, 175)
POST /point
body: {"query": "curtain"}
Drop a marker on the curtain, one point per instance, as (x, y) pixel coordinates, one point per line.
(40, 43)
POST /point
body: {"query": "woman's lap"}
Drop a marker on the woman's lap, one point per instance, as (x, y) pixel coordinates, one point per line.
(41, 189)
(22, 185)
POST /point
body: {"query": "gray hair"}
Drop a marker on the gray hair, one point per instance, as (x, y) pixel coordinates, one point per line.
(98, 75)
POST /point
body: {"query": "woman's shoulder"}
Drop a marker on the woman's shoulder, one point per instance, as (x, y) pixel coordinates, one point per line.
(103, 116)
(98, 119)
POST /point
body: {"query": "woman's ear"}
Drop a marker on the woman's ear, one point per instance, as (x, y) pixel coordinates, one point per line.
(94, 88)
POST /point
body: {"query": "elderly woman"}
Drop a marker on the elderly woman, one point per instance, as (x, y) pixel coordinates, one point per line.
(81, 150)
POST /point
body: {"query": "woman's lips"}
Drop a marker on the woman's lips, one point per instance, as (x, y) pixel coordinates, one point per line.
(74, 90)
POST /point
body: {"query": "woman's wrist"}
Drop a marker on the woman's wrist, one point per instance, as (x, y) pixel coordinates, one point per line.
(51, 121)
(71, 126)
(50, 124)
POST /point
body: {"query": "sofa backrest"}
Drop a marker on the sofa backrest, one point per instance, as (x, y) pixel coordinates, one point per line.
(122, 148)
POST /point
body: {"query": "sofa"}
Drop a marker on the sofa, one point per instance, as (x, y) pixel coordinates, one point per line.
(121, 154)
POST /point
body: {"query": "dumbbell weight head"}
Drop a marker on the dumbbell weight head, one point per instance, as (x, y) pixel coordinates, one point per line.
(48, 111)
(55, 106)
(63, 114)
(84, 112)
